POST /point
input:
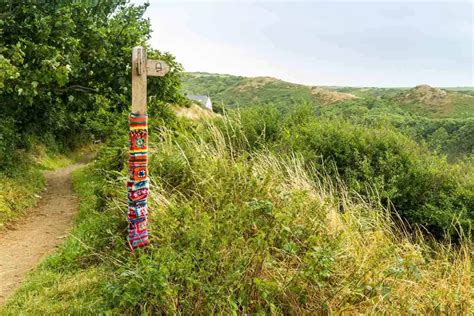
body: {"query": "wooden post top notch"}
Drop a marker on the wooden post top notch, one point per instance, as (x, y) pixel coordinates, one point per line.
(141, 69)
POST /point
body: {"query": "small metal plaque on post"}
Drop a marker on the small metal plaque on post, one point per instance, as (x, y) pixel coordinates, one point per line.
(156, 68)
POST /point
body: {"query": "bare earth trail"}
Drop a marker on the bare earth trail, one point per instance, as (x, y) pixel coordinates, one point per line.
(24, 245)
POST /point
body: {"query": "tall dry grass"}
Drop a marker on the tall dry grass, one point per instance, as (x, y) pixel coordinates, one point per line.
(241, 231)
(325, 249)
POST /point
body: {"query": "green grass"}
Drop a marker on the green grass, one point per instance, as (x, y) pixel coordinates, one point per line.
(21, 189)
(239, 232)
(23, 182)
(59, 284)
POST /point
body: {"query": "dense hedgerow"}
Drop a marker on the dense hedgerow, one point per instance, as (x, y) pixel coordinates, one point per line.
(377, 162)
(423, 188)
(237, 230)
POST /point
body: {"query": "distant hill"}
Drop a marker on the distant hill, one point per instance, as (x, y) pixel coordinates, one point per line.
(437, 102)
(326, 97)
(240, 91)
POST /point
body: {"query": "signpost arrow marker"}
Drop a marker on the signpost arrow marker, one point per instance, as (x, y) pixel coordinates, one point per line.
(156, 68)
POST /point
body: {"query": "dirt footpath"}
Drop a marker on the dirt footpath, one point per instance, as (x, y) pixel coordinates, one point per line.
(24, 245)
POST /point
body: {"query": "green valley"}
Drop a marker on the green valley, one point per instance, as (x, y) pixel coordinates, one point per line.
(236, 91)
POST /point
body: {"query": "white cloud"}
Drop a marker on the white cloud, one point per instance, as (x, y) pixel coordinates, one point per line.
(317, 42)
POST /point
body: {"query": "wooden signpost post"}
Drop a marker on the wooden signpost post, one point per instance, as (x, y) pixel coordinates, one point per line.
(141, 69)
(138, 184)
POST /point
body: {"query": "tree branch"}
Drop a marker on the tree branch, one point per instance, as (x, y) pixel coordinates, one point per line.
(80, 88)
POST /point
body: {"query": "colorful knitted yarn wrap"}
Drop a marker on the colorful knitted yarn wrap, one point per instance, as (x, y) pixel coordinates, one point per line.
(138, 183)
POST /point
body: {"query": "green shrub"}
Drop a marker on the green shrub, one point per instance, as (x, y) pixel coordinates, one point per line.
(66, 70)
(376, 161)
(238, 232)
(423, 188)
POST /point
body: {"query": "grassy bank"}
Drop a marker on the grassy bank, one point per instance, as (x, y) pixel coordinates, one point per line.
(23, 181)
(238, 232)
(59, 285)
(21, 189)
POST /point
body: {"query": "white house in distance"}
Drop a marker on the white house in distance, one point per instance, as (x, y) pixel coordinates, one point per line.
(203, 99)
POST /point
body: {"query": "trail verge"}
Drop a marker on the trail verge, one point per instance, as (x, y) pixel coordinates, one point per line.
(28, 241)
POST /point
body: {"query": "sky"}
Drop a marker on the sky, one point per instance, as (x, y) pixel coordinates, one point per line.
(345, 43)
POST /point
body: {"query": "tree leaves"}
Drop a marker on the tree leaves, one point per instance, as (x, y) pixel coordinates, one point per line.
(57, 58)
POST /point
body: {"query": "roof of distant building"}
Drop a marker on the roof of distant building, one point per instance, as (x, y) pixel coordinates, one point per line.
(200, 98)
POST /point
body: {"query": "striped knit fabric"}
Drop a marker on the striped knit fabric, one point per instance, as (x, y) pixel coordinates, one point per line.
(138, 183)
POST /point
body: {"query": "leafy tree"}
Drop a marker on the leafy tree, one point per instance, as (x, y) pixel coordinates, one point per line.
(64, 65)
